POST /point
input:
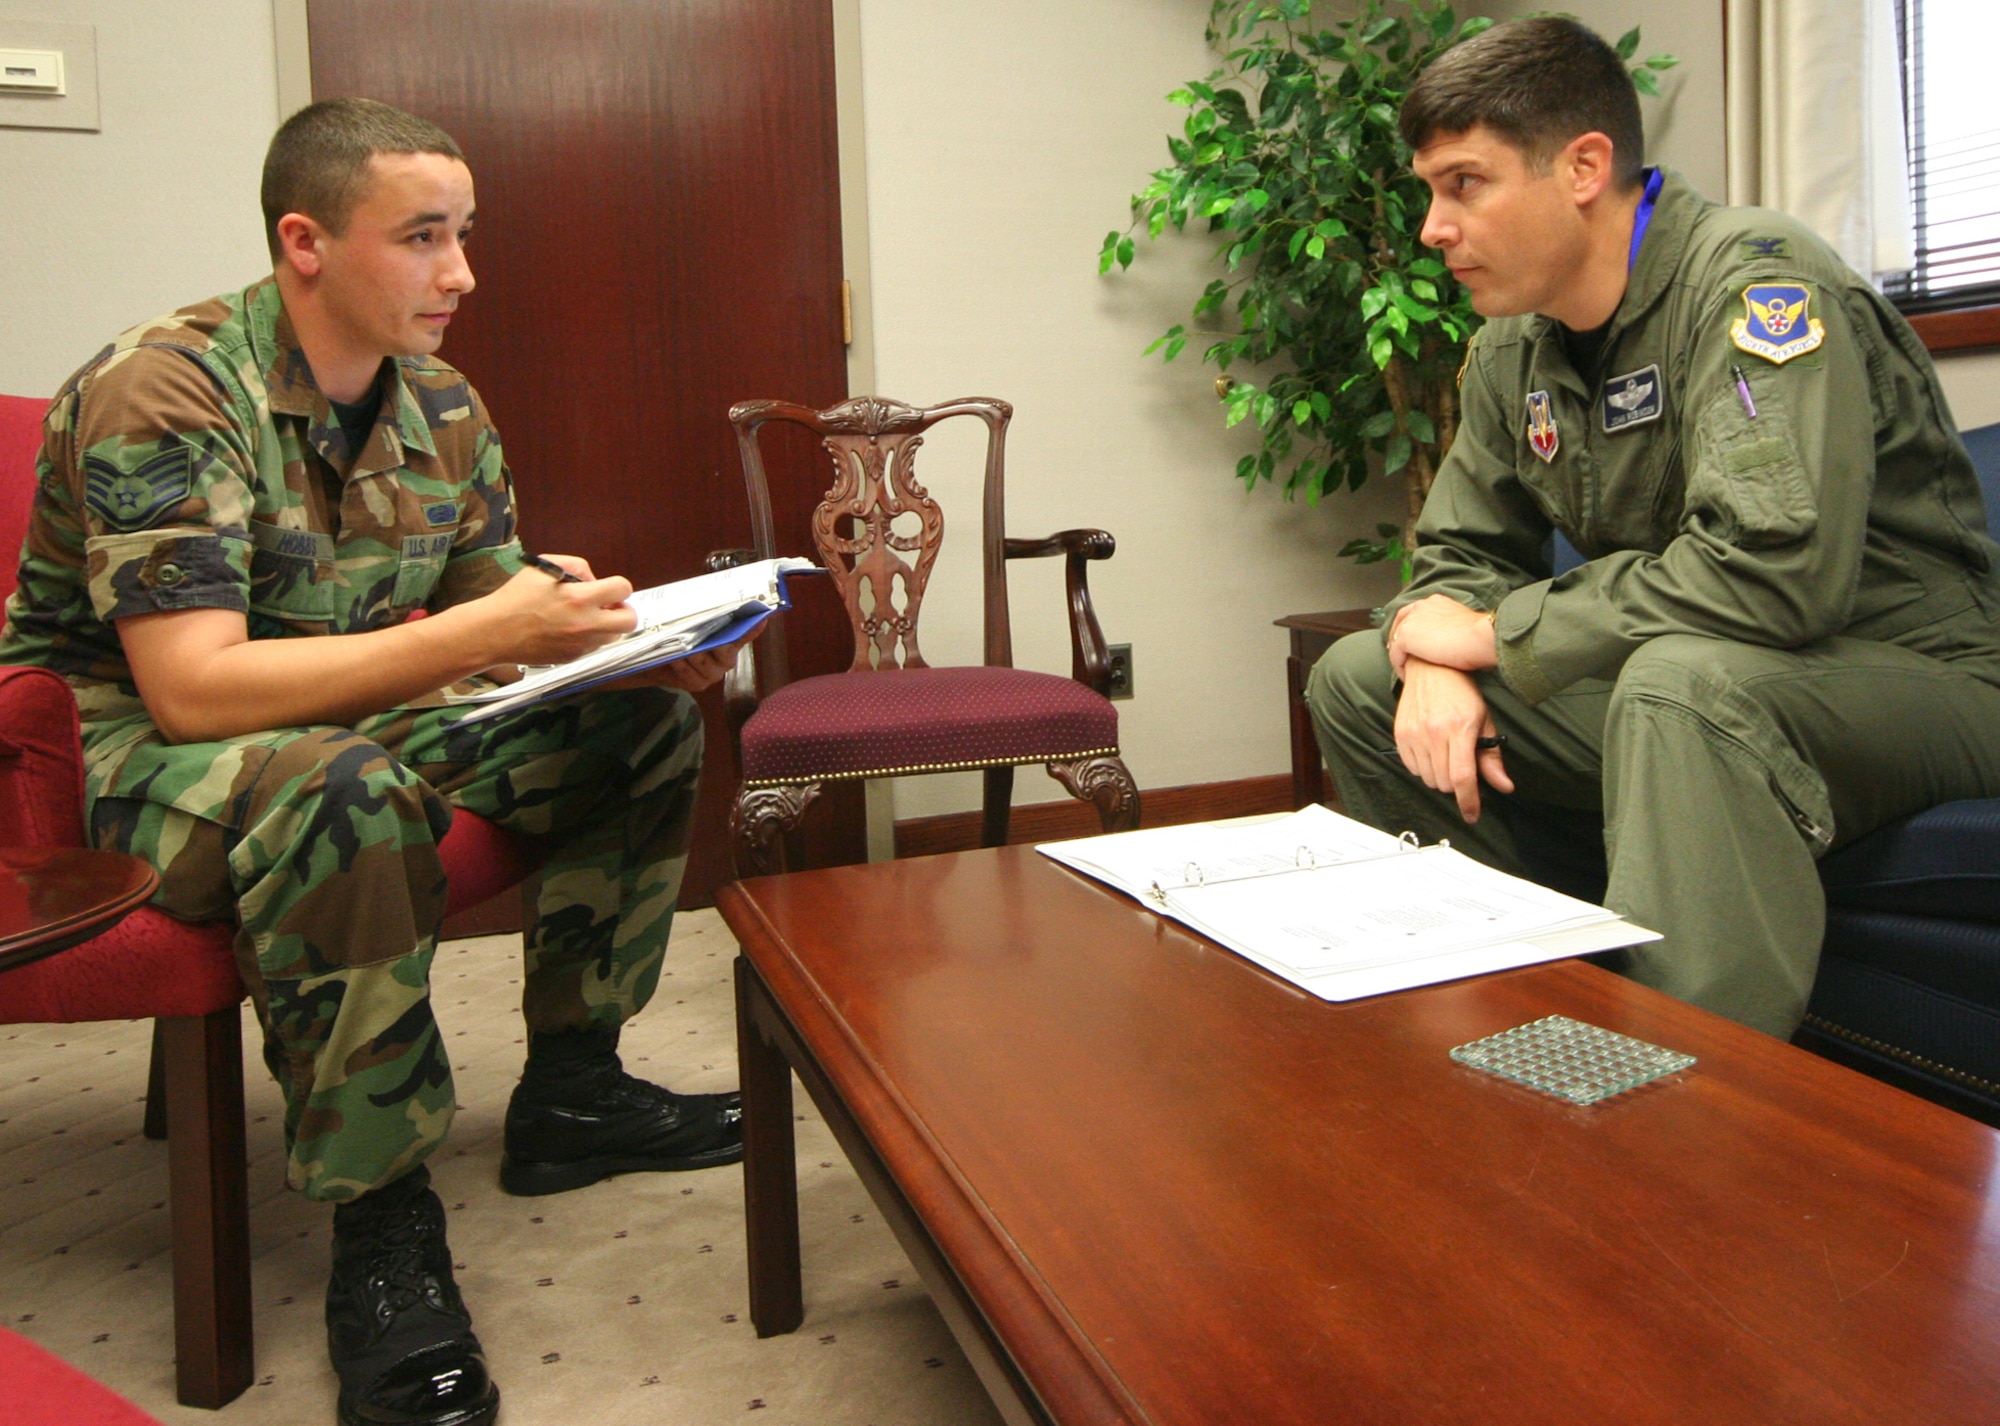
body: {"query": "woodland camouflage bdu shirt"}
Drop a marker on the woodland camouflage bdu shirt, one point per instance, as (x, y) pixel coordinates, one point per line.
(193, 463)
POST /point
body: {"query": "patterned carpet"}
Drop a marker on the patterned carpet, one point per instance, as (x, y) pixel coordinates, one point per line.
(620, 1303)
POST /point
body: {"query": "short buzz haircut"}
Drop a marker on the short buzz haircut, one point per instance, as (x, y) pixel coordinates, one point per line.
(318, 160)
(1538, 83)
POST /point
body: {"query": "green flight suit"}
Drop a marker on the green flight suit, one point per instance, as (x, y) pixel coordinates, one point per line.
(194, 464)
(1786, 632)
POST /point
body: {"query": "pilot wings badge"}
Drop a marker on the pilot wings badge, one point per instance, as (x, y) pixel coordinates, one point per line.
(1775, 325)
(1632, 400)
(1543, 438)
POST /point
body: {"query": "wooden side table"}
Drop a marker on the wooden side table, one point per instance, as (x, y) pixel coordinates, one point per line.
(1312, 635)
(53, 897)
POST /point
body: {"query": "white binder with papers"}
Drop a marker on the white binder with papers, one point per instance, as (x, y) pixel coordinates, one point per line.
(1341, 909)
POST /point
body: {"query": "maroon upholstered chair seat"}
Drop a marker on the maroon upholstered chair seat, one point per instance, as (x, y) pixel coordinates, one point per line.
(890, 722)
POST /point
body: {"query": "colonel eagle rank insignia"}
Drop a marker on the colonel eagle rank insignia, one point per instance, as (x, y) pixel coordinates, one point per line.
(1775, 325)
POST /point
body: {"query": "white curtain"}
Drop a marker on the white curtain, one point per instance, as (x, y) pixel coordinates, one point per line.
(1816, 123)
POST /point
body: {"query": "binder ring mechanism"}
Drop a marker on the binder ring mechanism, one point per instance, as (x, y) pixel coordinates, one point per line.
(1191, 875)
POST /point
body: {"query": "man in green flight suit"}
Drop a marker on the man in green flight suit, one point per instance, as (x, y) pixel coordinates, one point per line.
(240, 506)
(1786, 629)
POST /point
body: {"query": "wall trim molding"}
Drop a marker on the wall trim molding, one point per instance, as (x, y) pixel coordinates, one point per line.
(1962, 329)
(1056, 821)
(293, 43)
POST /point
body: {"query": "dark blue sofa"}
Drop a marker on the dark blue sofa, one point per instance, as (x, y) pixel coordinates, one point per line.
(1909, 975)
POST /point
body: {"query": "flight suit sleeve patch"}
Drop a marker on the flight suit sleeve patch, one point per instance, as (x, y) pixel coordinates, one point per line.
(1776, 323)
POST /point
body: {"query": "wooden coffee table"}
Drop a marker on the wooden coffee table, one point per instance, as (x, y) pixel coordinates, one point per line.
(1148, 1182)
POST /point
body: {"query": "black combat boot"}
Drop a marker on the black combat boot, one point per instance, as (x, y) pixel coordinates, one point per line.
(396, 1328)
(577, 1117)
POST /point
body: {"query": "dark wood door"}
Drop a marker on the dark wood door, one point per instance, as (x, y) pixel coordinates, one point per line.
(659, 237)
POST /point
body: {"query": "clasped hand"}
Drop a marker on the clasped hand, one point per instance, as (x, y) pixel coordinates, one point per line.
(1435, 645)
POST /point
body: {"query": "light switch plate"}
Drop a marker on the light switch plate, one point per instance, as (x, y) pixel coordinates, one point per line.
(31, 71)
(72, 103)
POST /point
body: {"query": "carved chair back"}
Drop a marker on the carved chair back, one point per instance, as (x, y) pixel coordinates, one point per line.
(878, 530)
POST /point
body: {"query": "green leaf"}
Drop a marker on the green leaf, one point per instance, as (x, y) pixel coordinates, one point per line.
(1418, 424)
(1627, 43)
(1382, 115)
(1301, 412)
(1644, 82)
(1109, 254)
(1246, 469)
(1207, 154)
(1182, 97)
(1163, 339)
(1379, 30)
(1380, 350)
(1298, 241)
(1424, 288)
(1222, 203)
(1258, 199)
(1397, 455)
(1477, 25)
(1372, 302)
(1322, 407)
(1125, 251)
(1316, 247)
(1330, 228)
(1662, 61)
(1174, 348)
(1378, 425)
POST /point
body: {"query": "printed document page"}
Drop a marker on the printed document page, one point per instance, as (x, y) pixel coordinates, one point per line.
(1341, 909)
(1422, 903)
(1166, 858)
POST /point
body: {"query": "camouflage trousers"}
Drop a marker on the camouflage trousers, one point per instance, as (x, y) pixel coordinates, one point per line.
(321, 843)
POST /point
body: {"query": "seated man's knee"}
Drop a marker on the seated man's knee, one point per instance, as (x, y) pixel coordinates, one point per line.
(349, 779)
(1352, 688)
(1689, 670)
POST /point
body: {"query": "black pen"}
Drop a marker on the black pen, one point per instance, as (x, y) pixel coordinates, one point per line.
(550, 567)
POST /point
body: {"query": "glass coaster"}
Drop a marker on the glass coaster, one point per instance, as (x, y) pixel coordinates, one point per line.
(1571, 1060)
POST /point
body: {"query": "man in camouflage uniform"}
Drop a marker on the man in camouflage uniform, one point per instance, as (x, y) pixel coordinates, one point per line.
(240, 507)
(1785, 633)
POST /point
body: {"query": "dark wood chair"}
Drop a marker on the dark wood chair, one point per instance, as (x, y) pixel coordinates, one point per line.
(892, 714)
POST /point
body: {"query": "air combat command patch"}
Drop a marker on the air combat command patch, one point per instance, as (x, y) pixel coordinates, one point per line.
(1775, 325)
(1543, 437)
(135, 499)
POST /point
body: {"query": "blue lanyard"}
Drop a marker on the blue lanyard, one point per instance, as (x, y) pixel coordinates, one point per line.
(1654, 178)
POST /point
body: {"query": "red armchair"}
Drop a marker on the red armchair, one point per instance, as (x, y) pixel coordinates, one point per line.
(181, 976)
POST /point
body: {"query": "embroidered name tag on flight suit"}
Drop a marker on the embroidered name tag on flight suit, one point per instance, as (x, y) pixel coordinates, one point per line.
(1632, 400)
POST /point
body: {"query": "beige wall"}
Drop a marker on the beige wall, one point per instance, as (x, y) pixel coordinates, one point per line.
(1002, 142)
(98, 231)
(1684, 126)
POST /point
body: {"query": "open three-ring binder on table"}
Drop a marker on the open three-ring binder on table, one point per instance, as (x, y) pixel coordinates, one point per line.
(1341, 909)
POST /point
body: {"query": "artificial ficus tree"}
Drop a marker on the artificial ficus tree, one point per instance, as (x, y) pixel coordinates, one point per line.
(1291, 155)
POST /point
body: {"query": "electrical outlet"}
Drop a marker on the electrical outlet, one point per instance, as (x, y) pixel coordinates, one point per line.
(1121, 670)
